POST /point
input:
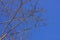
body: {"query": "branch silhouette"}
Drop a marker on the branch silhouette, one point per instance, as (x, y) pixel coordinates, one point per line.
(25, 16)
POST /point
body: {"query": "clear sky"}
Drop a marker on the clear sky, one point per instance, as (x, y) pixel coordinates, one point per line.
(52, 30)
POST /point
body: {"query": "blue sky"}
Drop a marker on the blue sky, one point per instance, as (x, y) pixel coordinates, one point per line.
(52, 30)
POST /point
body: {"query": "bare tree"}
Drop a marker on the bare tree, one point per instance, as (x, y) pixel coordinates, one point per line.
(20, 17)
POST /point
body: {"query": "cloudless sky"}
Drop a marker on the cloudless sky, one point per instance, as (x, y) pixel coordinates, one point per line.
(52, 30)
